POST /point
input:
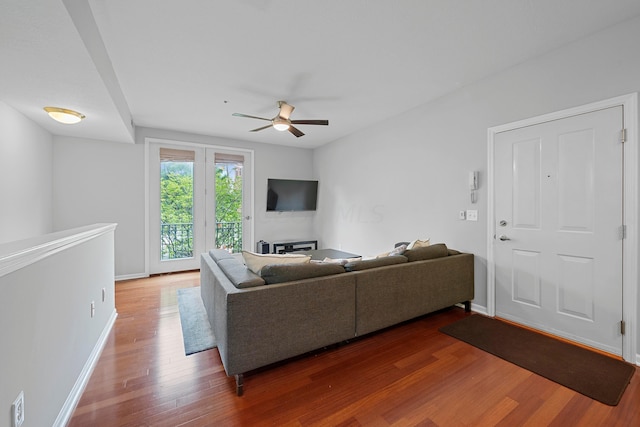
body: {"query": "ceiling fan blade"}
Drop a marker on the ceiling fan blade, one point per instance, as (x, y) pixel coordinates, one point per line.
(310, 122)
(285, 110)
(295, 131)
(263, 127)
(249, 117)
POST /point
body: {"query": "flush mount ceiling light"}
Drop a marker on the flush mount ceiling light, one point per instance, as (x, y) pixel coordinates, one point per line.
(62, 115)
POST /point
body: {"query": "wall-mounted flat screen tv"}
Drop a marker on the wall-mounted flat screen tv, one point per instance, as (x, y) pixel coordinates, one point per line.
(291, 195)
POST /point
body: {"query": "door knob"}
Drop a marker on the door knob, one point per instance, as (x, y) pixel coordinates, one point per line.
(503, 237)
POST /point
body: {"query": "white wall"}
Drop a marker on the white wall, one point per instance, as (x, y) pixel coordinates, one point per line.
(270, 161)
(50, 341)
(407, 177)
(287, 163)
(101, 181)
(25, 177)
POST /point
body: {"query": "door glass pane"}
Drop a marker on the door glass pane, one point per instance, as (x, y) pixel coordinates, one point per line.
(176, 204)
(229, 202)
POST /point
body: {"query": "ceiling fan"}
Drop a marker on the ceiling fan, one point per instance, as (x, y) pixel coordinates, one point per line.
(283, 122)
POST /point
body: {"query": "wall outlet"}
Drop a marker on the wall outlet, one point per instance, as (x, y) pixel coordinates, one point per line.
(472, 215)
(462, 215)
(17, 411)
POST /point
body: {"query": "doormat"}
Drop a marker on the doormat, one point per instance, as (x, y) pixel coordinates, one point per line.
(595, 375)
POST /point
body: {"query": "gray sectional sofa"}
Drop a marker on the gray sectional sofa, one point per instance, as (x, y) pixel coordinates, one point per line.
(289, 310)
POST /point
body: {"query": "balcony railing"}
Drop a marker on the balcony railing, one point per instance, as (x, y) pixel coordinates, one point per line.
(176, 240)
(229, 236)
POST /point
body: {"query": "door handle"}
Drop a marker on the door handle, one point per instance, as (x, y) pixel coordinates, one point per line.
(503, 237)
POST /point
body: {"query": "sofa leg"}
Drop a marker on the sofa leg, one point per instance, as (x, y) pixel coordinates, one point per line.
(467, 306)
(239, 384)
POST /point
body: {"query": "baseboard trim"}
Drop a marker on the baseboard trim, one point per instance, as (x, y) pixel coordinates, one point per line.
(64, 416)
(479, 309)
(131, 276)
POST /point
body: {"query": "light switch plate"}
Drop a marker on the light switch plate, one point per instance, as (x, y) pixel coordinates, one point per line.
(472, 215)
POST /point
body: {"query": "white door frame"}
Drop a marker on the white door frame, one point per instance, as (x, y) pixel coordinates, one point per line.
(630, 210)
(150, 140)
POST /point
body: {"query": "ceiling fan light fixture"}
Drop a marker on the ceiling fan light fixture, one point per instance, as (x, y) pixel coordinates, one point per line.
(63, 115)
(280, 125)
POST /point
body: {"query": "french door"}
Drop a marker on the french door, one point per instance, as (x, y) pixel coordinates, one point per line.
(199, 198)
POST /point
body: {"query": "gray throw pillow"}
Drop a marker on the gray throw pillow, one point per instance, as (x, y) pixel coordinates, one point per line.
(239, 274)
(280, 273)
(220, 254)
(375, 262)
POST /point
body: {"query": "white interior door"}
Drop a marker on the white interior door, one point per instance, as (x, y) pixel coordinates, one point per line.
(558, 213)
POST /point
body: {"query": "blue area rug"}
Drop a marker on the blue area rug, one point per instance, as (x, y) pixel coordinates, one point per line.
(196, 330)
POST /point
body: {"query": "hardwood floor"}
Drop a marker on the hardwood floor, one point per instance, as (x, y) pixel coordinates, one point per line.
(409, 375)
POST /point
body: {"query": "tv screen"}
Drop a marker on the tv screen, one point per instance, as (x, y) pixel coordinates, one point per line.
(291, 195)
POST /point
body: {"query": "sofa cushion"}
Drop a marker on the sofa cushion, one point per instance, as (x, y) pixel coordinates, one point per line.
(255, 261)
(219, 254)
(375, 262)
(427, 252)
(239, 274)
(280, 273)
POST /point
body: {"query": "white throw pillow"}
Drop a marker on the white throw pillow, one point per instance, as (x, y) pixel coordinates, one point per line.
(340, 261)
(398, 250)
(419, 243)
(255, 262)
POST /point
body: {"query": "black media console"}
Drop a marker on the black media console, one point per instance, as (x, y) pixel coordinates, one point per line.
(305, 245)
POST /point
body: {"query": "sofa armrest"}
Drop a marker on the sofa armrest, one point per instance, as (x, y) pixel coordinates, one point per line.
(280, 321)
(257, 326)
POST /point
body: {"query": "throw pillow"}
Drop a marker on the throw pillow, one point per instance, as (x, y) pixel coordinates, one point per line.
(238, 274)
(375, 262)
(340, 261)
(398, 250)
(279, 273)
(419, 243)
(220, 254)
(255, 262)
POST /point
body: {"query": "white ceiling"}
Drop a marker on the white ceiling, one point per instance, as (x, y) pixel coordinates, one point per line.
(188, 65)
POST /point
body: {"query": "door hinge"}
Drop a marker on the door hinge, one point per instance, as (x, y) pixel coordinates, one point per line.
(623, 232)
(622, 327)
(623, 135)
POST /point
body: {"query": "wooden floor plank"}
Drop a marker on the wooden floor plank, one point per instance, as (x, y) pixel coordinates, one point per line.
(408, 375)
